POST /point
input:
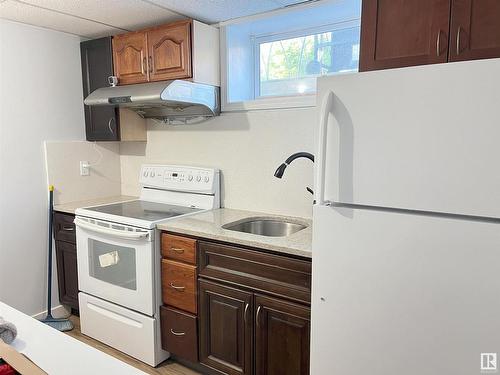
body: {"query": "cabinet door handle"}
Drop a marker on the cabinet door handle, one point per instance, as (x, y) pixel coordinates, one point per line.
(257, 316)
(178, 250)
(459, 32)
(438, 43)
(109, 125)
(144, 68)
(179, 288)
(245, 313)
(177, 333)
(150, 65)
(68, 228)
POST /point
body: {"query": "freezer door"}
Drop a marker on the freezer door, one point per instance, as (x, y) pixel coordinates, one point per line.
(423, 138)
(405, 294)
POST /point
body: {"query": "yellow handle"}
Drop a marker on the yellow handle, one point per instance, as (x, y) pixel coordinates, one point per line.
(51, 187)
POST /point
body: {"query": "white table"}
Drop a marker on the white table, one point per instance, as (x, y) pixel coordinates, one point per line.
(57, 353)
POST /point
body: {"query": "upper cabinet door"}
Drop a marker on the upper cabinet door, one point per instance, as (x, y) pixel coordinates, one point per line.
(169, 50)
(101, 122)
(398, 33)
(130, 57)
(475, 29)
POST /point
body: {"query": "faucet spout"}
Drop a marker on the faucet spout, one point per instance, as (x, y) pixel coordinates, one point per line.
(281, 169)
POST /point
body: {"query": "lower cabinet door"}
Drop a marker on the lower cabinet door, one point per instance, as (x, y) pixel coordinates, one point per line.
(282, 336)
(226, 328)
(67, 273)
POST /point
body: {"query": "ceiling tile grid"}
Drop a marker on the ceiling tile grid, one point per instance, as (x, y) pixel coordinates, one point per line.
(96, 18)
(15, 11)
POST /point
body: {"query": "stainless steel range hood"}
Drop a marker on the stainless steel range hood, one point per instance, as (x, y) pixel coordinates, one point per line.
(169, 101)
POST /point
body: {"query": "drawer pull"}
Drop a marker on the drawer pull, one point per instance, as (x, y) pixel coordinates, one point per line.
(177, 250)
(179, 288)
(177, 333)
(68, 228)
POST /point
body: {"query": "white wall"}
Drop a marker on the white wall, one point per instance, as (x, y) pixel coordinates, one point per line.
(247, 147)
(40, 99)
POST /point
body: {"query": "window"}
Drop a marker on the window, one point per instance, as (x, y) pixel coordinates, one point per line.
(273, 60)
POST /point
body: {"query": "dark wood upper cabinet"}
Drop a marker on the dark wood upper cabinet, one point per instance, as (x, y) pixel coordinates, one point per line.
(101, 123)
(475, 29)
(282, 337)
(397, 33)
(130, 53)
(226, 328)
(169, 50)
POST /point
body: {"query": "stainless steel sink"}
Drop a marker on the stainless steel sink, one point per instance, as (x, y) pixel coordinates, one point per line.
(265, 227)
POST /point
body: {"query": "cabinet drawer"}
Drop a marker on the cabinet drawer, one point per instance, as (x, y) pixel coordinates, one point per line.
(64, 228)
(178, 248)
(179, 333)
(179, 285)
(279, 275)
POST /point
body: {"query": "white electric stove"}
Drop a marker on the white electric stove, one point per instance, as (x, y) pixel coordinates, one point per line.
(118, 250)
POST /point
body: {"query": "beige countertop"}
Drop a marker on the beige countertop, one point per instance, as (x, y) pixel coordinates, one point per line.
(209, 225)
(71, 207)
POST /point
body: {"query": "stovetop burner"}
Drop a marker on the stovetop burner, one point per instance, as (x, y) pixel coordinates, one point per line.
(144, 210)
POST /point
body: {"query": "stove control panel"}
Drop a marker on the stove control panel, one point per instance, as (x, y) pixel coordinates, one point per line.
(180, 178)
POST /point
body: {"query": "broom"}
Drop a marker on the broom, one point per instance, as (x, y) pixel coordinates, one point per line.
(59, 324)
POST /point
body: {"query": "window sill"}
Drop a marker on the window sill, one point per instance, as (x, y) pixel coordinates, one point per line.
(283, 102)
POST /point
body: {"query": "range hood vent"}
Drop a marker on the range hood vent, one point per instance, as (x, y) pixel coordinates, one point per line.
(169, 101)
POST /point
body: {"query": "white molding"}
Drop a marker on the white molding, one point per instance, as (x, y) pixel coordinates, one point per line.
(280, 102)
(57, 312)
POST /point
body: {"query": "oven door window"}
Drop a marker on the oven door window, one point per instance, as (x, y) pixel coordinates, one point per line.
(113, 264)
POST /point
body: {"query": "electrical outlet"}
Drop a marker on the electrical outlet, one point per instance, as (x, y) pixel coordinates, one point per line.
(84, 168)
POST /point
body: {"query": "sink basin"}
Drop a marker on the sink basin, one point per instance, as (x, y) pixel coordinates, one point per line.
(265, 227)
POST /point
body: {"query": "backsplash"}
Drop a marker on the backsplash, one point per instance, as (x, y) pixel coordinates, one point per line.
(62, 164)
(246, 146)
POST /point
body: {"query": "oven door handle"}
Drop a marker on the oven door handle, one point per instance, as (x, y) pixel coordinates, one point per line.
(112, 232)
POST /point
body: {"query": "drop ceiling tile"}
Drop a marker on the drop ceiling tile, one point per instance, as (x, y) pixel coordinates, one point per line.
(16, 11)
(125, 14)
(212, 11)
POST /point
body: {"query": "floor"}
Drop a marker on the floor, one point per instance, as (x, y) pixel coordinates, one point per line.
(166, 368)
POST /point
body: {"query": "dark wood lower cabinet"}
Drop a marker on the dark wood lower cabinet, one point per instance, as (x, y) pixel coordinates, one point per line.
(67, 273)
(226, 328)
(282, 337)
(253, 308)
(67, 269)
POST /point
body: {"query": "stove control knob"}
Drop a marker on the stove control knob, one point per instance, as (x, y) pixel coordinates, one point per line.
(198, 178)
(145, 173)
(152, 173)
(206, 179)
(190, 178)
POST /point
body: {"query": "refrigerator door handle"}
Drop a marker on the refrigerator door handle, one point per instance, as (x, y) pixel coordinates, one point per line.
(321, 156)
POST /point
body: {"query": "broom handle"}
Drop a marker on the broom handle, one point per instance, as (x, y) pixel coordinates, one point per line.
(49, 276)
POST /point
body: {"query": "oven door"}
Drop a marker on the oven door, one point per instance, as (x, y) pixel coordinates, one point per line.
(115, 263)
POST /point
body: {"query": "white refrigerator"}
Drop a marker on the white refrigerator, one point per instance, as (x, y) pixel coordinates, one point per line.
(406, 237)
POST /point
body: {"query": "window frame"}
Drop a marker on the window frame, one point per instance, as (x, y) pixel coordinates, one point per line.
(269, 102)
